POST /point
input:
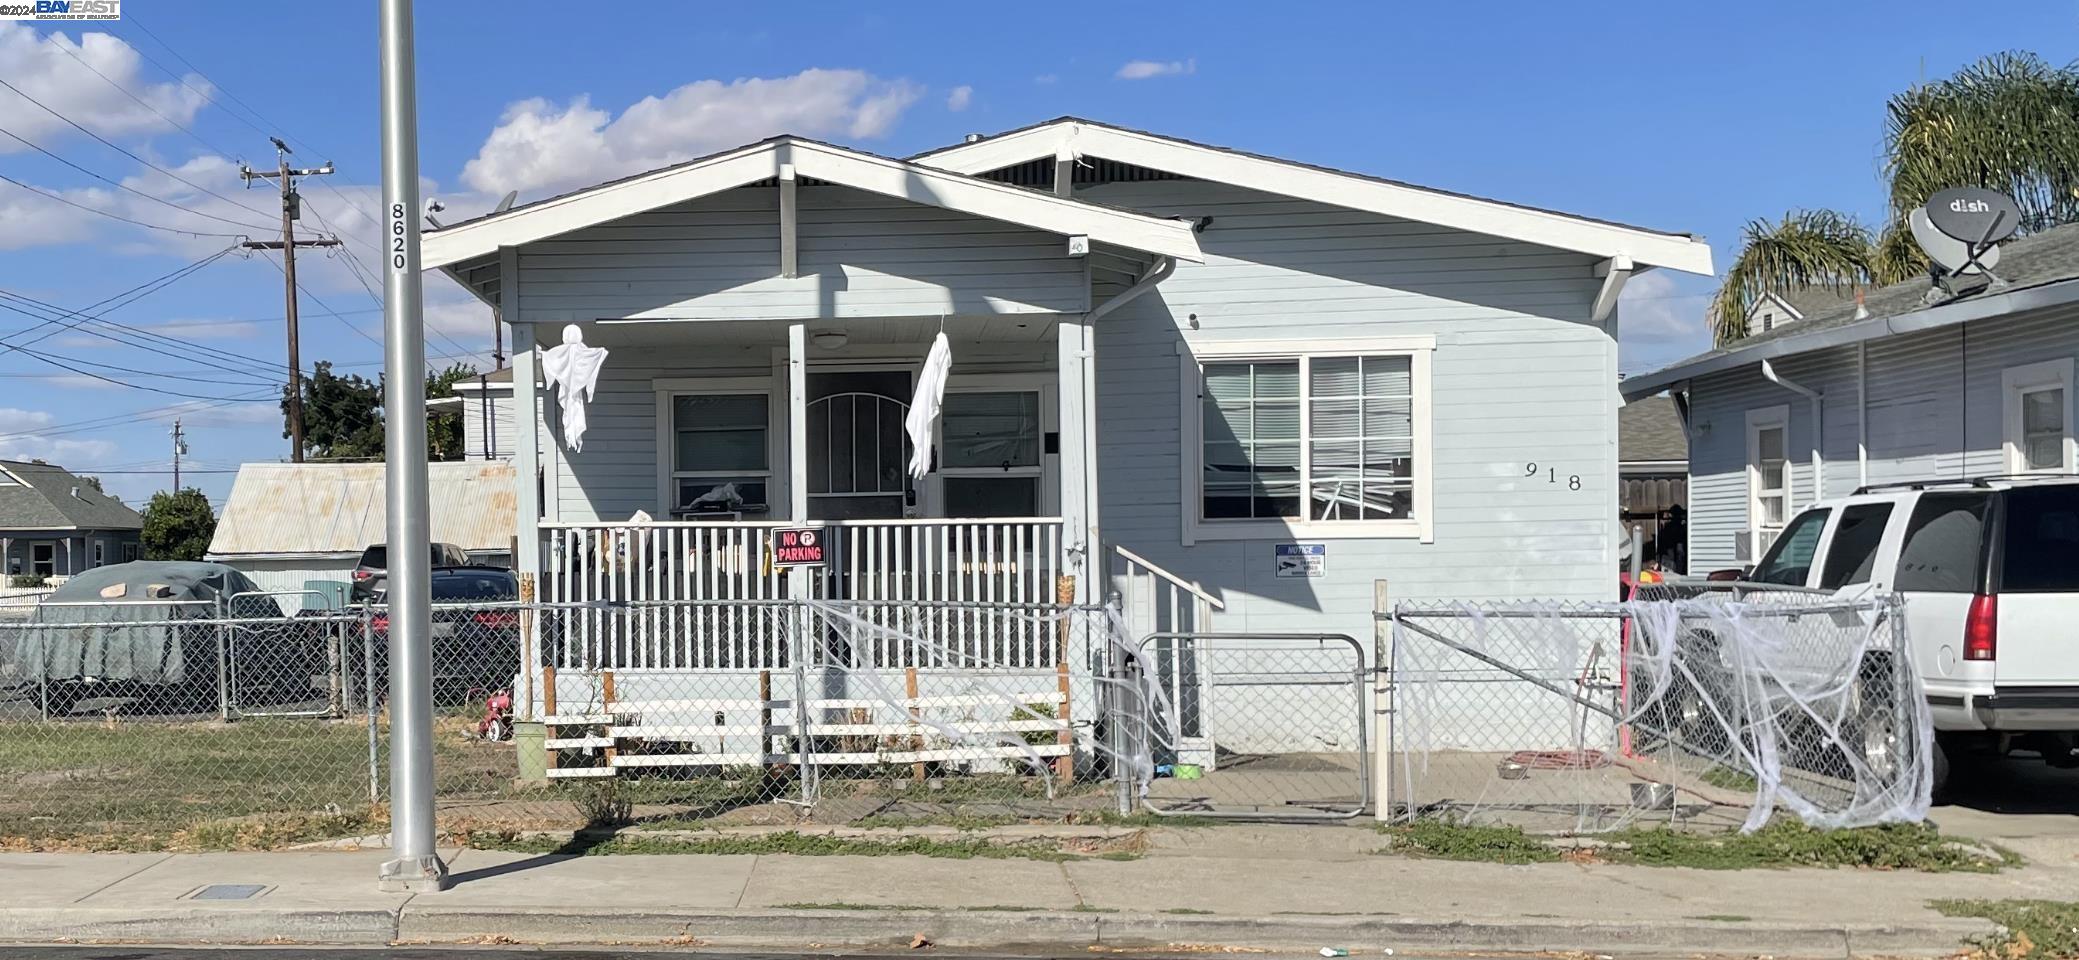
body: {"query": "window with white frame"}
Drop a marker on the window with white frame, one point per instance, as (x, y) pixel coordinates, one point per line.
(1768, 474)
(1320, 442)
(721, 453)
(990, 457)
(2037, 417)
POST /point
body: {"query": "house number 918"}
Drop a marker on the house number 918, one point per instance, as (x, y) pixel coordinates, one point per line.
(1573, 480)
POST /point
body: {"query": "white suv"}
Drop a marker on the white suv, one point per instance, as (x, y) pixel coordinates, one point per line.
(1989, 569)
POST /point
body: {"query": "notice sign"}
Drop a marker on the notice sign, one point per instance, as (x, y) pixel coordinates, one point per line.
(1301, 560)
(797, 548)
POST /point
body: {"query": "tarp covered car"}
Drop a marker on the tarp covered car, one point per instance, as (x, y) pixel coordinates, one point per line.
(139, 629)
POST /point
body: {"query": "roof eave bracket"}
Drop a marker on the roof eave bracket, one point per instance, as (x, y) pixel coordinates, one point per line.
(1614, 271)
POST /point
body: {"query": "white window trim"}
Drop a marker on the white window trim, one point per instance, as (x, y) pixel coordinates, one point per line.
(1047, 385)
(1759, 419)
(1191, 358)
(667, 389)
(2015, 382)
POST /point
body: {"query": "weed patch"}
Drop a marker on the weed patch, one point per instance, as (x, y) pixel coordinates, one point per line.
(1784, 843)
(1459, 841)
(2047, 929)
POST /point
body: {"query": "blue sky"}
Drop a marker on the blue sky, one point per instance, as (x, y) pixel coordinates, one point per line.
(1677, 116)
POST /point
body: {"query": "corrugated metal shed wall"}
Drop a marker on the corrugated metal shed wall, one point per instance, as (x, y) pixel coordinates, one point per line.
(327, 508)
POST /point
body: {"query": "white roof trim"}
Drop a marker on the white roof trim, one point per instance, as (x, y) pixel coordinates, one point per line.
(761, 161)
(1353, 191)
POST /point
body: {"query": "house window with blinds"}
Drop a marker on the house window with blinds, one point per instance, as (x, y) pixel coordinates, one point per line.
(1313, 439)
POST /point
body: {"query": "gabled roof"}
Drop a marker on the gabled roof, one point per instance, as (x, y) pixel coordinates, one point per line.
(811, 159)
(1650, 431)
(41, 496)
(337, 509)
(2041, 270)
(1077, 137)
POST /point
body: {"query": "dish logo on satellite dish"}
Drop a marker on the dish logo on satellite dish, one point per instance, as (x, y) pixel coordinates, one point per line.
(1975, 215)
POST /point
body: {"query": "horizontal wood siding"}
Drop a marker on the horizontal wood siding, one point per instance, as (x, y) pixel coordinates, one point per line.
(1519, 376)
(1934, 412)
(860, 255)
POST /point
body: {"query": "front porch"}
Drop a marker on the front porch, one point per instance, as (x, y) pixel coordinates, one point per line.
(705, 439)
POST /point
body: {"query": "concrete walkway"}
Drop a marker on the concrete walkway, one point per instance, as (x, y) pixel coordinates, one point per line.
(1278, 888)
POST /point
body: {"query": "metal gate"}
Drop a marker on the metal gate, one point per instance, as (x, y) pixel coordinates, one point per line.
(1256, 725)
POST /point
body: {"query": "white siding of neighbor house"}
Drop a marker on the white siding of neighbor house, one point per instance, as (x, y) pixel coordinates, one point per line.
(860, 255)
(1519, 375)
(1934, 408)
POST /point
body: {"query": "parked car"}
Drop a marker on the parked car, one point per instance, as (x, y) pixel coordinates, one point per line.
(476, 630)
(375, 561)
(1989, 569)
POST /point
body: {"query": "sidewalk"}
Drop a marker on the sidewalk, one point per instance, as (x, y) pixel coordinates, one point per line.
(1276, 888)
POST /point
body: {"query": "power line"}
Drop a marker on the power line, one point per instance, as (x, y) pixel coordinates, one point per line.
(18, 138)
(112, 145)
(184, 128)
(205, 78)
(115, 216)
(133, 295)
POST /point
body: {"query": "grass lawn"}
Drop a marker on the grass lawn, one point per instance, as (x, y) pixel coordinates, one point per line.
(148, 781)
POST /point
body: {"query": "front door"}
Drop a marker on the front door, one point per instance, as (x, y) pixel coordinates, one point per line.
(858, 453)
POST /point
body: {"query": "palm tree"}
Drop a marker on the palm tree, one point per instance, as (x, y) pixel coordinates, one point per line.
(2009, 122)
(1807, 248)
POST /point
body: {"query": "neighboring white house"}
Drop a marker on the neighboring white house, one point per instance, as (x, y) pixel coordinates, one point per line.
(1915, 388)
(294, 527)
(1776, 309)
(1224, 363)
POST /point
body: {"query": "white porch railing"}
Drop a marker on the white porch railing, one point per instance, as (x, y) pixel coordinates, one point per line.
(958, 585)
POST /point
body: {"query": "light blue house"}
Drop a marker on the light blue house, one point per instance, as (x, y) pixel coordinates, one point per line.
(1914, 383)
(1253, 384)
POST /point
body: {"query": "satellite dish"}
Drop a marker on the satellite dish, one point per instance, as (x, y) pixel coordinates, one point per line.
(1950, 253)
(1975, 215)
(506, 202)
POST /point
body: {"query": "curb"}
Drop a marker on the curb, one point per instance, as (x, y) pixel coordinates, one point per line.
(974, 929)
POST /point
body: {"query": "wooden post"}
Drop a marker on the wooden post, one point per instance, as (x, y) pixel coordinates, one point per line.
(1065, 595)
(1065, 765)
(909, 683)
(606, 706)
(548, 708)
(764, 716)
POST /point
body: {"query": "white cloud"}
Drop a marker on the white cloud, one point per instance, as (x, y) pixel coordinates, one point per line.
(540, 145)
(1146, 69)
(59, 72)
(960, 98)
(18, 420)
(65, 452)
(1661, 319)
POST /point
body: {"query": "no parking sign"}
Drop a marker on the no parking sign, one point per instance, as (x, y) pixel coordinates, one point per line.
(798, 548)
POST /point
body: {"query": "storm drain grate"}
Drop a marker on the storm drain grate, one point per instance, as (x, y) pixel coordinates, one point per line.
(229, 891)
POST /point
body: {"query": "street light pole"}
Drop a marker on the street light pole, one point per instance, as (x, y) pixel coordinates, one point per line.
(415, 866)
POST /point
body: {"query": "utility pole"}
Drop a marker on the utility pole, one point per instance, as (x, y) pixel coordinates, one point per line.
(292, 210)
(180, 448)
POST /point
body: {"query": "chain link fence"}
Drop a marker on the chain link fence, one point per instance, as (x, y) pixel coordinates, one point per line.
(211, 724)
(1692, 709)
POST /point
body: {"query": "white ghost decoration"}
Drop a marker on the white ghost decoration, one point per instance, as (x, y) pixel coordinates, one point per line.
(573, 369)
(931, 392)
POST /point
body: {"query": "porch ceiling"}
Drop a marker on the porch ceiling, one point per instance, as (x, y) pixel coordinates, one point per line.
(858, 331)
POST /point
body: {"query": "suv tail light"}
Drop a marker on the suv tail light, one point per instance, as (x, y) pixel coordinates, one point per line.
(1982, 628)
(496, 618)
(380, 623)
(363, 574)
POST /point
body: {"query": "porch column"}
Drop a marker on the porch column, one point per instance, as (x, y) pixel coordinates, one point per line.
(797, 422)
(526, 454)
(1080, 543)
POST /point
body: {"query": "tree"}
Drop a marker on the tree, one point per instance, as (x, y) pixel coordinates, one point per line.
(342, 416)
(444, 429)
(1807, 248)
(93, 481)
(178, 525)
(2009, 122)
